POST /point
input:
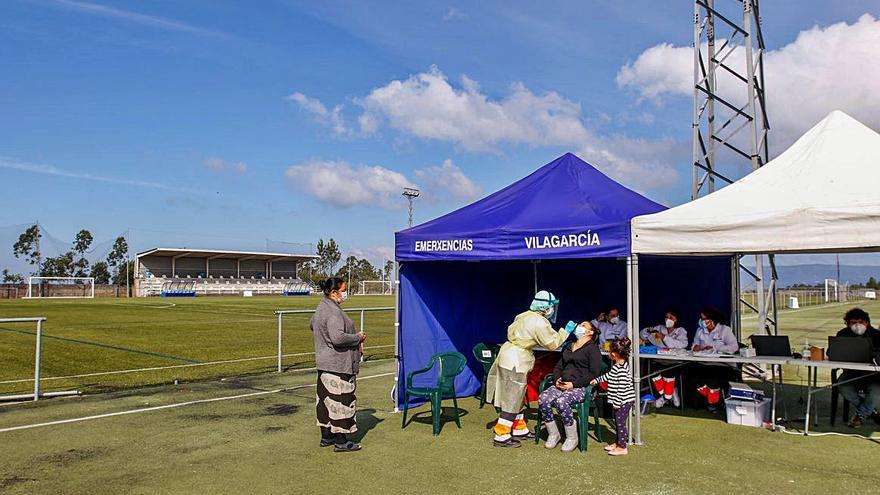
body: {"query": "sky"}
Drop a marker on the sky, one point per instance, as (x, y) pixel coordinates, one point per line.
(222, 124)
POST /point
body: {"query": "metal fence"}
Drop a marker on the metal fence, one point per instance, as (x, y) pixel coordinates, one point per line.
(805, 297)
(282, 313)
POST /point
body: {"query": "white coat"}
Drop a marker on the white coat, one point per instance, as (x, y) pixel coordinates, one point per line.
(721, 339)
(608, 331)
(676, 338)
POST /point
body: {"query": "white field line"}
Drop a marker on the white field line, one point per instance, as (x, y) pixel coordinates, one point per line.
(171, 406)
(808, 308)
(159, 368)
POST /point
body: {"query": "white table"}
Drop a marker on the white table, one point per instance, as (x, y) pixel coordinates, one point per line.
(689, 356)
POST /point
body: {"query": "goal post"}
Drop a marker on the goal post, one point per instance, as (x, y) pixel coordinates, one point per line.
(376, 287)
(60, 288)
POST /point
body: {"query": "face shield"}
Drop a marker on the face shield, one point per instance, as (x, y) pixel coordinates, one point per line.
(547, 304)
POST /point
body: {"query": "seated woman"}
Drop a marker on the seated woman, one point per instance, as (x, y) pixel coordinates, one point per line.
(713, 337)
(673, 336)
(579, 364)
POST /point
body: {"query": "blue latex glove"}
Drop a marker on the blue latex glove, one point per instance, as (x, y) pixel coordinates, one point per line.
(570, 326)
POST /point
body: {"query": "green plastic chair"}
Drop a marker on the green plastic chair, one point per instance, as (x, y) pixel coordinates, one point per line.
(582, 408)
(485, 354)
(449, 365)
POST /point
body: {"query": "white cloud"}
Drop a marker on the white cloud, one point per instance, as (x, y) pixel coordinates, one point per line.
(823, 69)
(137, 18)
(452, 14)
(333, 118)
(37, 168)
(339, 184)
(221, 165)
(428, 106)
(447, 178)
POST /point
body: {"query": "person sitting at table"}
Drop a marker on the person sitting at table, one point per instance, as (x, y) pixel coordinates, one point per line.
(610, 326)
(713, 337)
(858, 324)
(672, 336)
(579, 364)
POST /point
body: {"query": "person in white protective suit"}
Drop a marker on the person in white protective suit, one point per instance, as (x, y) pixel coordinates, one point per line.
(506, 381)
(671, 336)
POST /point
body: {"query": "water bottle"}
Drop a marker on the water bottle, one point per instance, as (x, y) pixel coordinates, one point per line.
(806, 349)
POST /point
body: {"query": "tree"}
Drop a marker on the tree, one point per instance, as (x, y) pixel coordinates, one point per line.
(119, 274)
(61, 266)
(389, 270)
(100, 273)
(12, 278)
(81, 244)
(28, 246)
(872, 283)
(115, 259)
(328, 255)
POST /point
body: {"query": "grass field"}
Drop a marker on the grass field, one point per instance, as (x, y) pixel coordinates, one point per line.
(85, 337)
(254, 432)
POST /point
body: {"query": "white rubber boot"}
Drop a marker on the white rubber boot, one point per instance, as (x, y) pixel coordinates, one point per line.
(659, 402)
(676, 400)
(552, 435)
(571, 438)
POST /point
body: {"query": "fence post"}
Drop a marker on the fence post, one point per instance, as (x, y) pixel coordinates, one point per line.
(37, 358)
(362, 321)
(279, 341)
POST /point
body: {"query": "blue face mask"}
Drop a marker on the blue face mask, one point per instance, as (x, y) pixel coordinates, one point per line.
(551, 314)
(702, 323)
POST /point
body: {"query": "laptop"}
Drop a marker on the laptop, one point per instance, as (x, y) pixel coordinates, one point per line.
(850, 349)
(771, 345)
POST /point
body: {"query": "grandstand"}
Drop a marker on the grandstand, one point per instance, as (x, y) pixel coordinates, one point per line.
(182, 272)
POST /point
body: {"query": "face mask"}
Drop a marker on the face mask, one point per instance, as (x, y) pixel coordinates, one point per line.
(615, 320)
(580, 332)
(343, 296)
(670, 323)
(702, 323)
(858, 328)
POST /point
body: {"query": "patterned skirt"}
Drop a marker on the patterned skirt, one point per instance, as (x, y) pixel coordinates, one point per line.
(337, 403)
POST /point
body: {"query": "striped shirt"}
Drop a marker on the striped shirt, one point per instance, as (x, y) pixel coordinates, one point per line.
(620, 384)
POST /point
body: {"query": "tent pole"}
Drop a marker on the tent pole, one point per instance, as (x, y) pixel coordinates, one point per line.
(395, 392)
(535, 273)
(735, 316)
(632, 300)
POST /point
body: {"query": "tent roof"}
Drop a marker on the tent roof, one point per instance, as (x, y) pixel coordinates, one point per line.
(821, 194)
(565, 209)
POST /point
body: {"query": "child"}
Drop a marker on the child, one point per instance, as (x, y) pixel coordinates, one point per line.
(620, 392)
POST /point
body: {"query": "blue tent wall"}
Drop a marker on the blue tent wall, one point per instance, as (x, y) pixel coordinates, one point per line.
(451, 306)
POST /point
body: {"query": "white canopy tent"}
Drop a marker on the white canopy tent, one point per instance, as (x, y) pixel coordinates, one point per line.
(821, 194)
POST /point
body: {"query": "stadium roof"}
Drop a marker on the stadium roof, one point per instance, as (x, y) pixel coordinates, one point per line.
(220, 253)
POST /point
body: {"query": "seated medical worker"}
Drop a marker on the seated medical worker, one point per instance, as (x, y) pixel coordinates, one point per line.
(670, 334)
(713, 337)
(610, 325)
(858, 324)
(507, 379)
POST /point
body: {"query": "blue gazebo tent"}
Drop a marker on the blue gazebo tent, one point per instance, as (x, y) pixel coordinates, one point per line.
(564, 228)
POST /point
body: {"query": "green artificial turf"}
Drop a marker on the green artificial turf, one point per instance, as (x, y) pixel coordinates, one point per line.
(102, 335)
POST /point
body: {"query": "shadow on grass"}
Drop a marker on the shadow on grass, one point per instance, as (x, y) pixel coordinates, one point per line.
(447, 415)
(366, 421)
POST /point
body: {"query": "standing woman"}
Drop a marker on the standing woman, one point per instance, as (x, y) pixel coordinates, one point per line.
(338, 350)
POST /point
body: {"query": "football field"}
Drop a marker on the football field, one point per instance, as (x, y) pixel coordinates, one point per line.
(108, 344)
(253, 431)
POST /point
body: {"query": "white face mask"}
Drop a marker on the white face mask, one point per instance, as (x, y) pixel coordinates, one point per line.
(858, 328)
(580, 332)
(670, 323)
(343, 296)
(615, 320)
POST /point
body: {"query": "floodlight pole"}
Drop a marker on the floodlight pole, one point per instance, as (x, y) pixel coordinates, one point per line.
(410, 194)
(720, 118)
